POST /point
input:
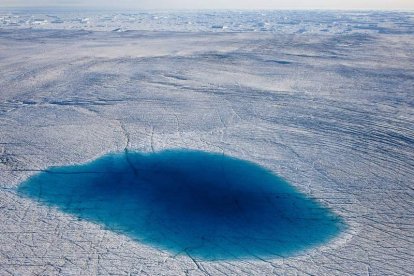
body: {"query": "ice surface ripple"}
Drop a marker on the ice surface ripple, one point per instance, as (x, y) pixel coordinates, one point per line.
(205, 205)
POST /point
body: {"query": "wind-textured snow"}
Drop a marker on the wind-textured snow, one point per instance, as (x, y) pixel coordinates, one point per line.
(323, 99)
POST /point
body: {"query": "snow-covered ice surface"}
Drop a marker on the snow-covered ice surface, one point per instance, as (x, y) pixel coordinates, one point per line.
(323, 99)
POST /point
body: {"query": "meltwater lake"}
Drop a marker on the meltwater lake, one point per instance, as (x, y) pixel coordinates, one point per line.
(208, 206)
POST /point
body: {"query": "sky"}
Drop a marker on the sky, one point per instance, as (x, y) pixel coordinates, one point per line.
(219, 4)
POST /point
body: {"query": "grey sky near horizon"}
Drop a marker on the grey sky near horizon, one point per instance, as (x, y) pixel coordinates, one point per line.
(220, 4)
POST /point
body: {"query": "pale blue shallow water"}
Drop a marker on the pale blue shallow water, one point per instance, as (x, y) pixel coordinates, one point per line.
(205, 205)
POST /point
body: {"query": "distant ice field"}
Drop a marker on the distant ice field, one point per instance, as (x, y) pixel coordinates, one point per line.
(322, 99)
(317, 22)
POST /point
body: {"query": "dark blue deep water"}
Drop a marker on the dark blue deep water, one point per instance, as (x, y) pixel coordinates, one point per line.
(205, 205)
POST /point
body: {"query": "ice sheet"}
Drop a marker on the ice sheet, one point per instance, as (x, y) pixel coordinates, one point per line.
(329, 111)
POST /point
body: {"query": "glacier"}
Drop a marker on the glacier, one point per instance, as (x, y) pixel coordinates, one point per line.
(322, 99)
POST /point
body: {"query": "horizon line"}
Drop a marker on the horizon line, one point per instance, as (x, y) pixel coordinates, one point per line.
(123, 9)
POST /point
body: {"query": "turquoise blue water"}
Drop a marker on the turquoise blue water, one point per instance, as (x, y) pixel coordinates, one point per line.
(205, 205)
